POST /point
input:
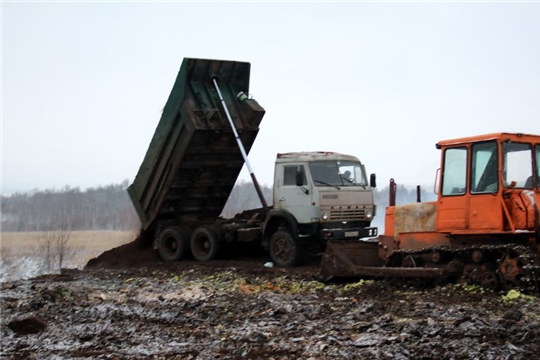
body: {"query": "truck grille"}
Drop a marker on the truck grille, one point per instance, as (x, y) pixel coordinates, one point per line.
(347, 214)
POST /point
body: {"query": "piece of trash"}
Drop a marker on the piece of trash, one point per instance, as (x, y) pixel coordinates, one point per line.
(269, 264)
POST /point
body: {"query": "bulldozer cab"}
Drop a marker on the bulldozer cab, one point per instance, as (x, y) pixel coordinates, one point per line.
(482, 180)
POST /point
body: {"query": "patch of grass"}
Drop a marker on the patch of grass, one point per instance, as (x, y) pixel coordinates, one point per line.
(19, 250)
(513, 295)
(357, 285)
(469, 288)
(86, 244)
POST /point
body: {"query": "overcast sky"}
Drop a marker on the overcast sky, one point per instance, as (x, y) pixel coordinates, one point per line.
(84, 84)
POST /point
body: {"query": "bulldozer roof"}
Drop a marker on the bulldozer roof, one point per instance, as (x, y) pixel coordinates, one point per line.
(493, 136)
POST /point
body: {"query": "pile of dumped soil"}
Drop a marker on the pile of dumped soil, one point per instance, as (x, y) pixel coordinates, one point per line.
(127, 304)
(134, 254)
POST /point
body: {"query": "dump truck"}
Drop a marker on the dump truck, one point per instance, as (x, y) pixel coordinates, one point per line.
(207, 128)
(482, 229)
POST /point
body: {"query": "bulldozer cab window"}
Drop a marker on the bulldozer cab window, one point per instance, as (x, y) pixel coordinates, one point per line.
(289, 174)
(537, 170)
(517, 165)
(454, 178)
(484, 174)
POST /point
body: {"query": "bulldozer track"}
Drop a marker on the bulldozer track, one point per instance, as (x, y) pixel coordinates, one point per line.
(499, 267)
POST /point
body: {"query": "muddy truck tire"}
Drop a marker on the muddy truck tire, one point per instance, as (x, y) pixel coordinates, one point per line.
(285, 251)
(205, 243)
(173, 244)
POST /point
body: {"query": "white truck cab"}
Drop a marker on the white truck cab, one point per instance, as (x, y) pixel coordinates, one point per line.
(318, 196)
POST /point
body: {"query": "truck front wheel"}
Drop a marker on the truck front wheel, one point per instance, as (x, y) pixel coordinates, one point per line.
(173, 244)
(204, 244)
(284, 249)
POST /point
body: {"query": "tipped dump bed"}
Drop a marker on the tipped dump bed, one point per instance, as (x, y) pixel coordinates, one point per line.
(193, 160)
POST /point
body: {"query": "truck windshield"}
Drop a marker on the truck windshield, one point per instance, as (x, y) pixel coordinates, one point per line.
(337, 173)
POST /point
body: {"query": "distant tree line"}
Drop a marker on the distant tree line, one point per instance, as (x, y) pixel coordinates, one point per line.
(109, 207)
(101, 208)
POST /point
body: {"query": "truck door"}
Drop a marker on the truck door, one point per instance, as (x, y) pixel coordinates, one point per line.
(288, 196)
(453, 199)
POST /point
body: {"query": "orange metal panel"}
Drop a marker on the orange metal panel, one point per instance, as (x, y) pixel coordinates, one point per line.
(521, 206)
(389, 222)
(452, 213)
(485, 212)
(420, 240)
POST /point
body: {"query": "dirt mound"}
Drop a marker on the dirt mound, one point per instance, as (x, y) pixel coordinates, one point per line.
(133, 254)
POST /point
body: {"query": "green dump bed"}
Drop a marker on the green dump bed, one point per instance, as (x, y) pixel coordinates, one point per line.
(193, 160)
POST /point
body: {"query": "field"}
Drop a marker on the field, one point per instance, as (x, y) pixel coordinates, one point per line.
(21, 255)
(128, 304)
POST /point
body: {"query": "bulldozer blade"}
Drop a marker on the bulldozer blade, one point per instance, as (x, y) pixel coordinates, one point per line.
(357, 259)
(342, 256)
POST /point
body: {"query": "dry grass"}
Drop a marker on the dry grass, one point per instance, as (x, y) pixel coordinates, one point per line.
(85, 244)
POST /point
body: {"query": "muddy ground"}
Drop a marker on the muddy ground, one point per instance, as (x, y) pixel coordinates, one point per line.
(127, 304)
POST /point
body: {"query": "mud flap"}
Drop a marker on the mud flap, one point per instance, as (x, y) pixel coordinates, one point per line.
(343, 258)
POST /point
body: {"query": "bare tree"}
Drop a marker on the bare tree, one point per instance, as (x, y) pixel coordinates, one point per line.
(56, 239)
(63, 247)
(55, 248)
(46, 249)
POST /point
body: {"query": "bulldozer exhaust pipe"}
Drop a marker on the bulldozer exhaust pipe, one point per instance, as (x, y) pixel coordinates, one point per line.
(392, 193)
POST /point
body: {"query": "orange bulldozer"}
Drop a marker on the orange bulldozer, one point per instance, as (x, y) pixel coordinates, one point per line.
(484, 227)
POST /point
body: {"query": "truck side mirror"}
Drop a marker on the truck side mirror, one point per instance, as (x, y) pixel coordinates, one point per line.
(372, 181)
(300, 177)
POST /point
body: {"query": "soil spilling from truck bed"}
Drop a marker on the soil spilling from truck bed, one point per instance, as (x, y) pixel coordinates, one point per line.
(127, 304)
(134, 254)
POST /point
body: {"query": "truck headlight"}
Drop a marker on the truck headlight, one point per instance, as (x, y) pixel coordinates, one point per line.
(325, 215)
(369, 214)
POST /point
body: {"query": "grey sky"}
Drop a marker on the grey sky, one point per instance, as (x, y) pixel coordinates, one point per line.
(83, 84)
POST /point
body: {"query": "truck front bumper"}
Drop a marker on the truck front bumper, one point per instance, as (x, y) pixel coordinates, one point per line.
(348, 234)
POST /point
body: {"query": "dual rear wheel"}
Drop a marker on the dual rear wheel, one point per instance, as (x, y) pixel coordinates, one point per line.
(205, 243)
(175, 243)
